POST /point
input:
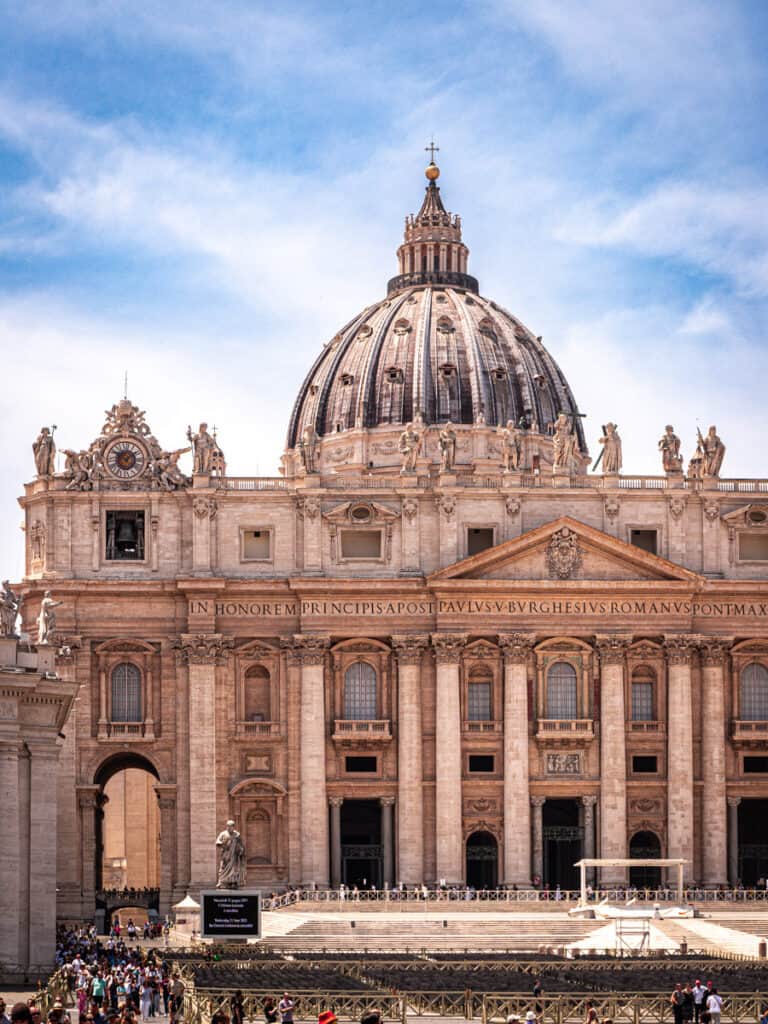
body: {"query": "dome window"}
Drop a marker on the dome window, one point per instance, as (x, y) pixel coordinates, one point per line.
(402, 326)
(365, 332)
(394, 375)
(347, 379)
(440, 297)
(499, 374)
(445, 324)
(313, 389)
(448, 371)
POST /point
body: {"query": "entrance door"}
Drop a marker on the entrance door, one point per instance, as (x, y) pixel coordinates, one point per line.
(361, 850)
(644, 845)
(482, 861)
(753, 841)
(563, 843)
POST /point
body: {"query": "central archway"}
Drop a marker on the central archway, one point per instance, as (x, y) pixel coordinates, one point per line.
(643, 845)
(482, 860)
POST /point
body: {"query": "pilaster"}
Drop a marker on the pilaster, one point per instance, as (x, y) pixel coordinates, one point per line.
(516, 648)
(681, 826)
(613, 755)
(409, 651)
(714, 659)
(447, 649)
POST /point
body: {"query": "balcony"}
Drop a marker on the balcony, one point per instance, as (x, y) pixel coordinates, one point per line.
(749, 734)
(125, 731)
(646, 728)
(565, 731)
(483, 727)
(262, 730)
(361, 730)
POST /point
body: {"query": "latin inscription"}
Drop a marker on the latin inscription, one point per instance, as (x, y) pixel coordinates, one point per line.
(484, 607)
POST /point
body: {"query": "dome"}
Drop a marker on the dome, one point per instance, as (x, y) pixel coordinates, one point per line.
(434, 349)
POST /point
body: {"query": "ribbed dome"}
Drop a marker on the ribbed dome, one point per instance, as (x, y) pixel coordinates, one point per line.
(433, 346)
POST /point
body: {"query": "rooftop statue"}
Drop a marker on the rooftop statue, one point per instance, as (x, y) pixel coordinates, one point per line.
(10, 606)
(511, 451)
(714, 452)
(611, 453)
(409, 448)
(565, 444)
(308, 449)
(46, 620)
(232, 862)
(44, 451)
(203, 447)
(669, 446)
(447, 442)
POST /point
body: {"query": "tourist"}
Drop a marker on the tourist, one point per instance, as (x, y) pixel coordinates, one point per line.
(372, 1016)
(676, 999)
(237, 1007)
(285, 1007)
(714, 1006)
(4, 1018)
(591, 1017)
(699, 994)
(538, 992)
(270, 1011)
(20, 1014)
(687, 1003)
(326, 1017)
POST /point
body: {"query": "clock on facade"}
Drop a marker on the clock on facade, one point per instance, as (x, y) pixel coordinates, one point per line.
(125, 459)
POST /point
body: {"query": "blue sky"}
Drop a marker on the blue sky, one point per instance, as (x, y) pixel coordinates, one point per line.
(203, 192)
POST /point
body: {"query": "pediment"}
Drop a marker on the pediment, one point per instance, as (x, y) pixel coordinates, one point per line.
(360, 513)
(752, 516)
(564, 550)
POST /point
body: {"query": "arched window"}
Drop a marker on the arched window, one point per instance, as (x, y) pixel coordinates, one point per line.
(360, 692)
(479, 697)
(256, 698)
(562, 699)
(754, 693)
(643, 682)
(126, 693)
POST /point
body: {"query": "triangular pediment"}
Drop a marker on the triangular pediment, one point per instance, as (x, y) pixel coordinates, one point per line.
(563, 550)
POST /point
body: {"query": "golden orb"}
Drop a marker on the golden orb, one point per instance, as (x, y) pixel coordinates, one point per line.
(432, 172)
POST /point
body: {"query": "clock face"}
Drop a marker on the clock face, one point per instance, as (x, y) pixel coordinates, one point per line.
(125, 459)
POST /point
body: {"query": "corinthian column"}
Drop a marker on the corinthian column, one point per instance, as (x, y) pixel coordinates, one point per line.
(714, 654)
(681, 826)
(10, 853)
(517, 809)
(201, 653)
(613, 755)
(447, 648)
(310, 652)
(410, 778)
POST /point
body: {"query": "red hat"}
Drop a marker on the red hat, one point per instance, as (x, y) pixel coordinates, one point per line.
(326, 1017)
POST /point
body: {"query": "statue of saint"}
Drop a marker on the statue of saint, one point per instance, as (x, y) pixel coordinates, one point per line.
(202, 445)
(46, 620)
(232, 863)
(44, 450)
(409, 447)
(565, 447)
(308, 449)
(78, 466)
(714, 452)
(510, 447)
(10, 606)
(447, 442)
(611, 449)
(669, 446)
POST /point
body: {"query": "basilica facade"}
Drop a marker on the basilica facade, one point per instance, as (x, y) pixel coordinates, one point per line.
(441, 644)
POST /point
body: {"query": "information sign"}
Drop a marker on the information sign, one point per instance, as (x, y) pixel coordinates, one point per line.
(230, 914)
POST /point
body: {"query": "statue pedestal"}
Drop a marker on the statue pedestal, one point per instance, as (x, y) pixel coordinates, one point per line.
(201, 480)
(610, 480)
(710, 483)
(446, 479)
(675, 480)
(486, 467)
(408, 480)
(308, 480)
(561, 476)
(511, 478)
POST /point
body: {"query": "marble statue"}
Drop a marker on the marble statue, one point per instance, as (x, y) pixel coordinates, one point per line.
(714, 452)
(611, 449)
(46, 620)
(447, 442)
(308, 449)
(78, 467)
(510, 447)
(409, 447)
(165, 470)
(10, 606)
(44, 450)
(232, 862)
(565, 446)
(669, 446)
(203, 446)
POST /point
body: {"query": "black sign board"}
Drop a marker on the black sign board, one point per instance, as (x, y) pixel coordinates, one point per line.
(230, 914)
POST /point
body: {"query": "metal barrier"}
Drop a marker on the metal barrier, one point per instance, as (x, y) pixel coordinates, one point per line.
(622, 1008)
(200, 1006)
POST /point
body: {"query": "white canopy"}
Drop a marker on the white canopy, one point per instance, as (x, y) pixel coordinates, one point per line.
(186, 904)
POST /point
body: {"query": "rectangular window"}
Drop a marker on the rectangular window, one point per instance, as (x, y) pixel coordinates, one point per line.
(644, 539)
(753, 547)
(642, 702)
(644, 765)
(360, 764)
(361, 543)
(479, 538)
(256, 545)
(481, 763)
(479, 702)
(125, 536)
(756, 765)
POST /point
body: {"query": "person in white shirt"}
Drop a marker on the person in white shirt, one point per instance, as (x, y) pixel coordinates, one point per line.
(699, 995)
(714, 1006)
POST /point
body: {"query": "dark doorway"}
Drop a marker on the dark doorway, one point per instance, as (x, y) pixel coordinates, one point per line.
(643, 845)
(482, 861)
(361, 850)
(563, 843)
(753, 841)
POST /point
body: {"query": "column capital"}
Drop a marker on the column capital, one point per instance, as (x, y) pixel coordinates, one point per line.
(516, 647)
(202, 648)
(714, 649)
(734, 801)
(538, 801)
(409, 649)
(307, 648)
(447, 647)
(612, 647)
(88, 796)
(335, 801)
(680, 648)
(387, 801)
(166, 795)
(589, 801)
